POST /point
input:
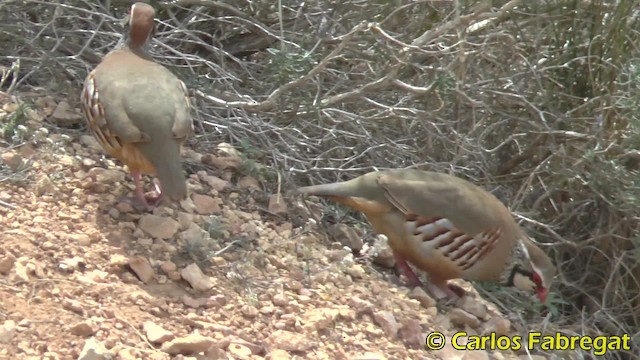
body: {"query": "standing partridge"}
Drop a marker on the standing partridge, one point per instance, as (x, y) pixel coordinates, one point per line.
(445, 226)
(139, 111)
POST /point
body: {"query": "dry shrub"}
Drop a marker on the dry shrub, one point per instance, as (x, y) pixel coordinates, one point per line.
(535, 101)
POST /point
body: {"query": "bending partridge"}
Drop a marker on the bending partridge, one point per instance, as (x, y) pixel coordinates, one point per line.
(445, 226)
(139, 111)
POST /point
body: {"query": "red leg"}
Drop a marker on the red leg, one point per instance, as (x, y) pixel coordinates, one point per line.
(406, 270)
(438, 289)
(139, 192)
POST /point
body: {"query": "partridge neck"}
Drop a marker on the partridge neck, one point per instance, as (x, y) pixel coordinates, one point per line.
(138, 36)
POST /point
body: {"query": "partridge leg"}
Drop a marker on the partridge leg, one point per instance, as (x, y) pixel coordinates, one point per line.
(406, 270)
(438, 289)
(149, 202)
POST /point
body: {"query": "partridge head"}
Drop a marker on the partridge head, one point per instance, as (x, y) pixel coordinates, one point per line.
(445, 226)
(139, 111)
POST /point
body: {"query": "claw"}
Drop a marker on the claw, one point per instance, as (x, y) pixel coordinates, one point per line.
(148, 202)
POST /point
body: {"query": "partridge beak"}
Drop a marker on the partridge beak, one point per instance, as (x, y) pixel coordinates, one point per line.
(542, 294)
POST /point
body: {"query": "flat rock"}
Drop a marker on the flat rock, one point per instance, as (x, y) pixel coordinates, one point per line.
(158, 226)
(206, 205)
(155, 333)
(191, 344)
(461, 318)
(142, 268)
(473, 307)
(94, 350)
(7, 331)
(277, 204)
(291, 341)
(418, 293)
(387, 322)
(84, 328)
(196, 278)
(347, 236)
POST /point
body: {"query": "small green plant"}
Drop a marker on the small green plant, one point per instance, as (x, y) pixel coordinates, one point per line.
(13, 126)
(199, 251)
(214, 227)
(286, 65)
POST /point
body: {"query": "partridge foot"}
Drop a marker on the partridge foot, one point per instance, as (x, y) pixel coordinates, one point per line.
(141, 200)
(438, 290)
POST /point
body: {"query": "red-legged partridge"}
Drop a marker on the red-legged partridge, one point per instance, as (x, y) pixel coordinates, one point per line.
(445, 226)
(139, 111)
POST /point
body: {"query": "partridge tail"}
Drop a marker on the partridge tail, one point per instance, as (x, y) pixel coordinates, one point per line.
(352, 193)
(327, 190)
(173, 181)
(166, 160)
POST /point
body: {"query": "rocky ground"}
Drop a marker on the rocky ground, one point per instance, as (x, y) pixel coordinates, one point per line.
(223, 275)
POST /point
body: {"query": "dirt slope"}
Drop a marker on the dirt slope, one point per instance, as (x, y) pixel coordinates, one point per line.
(85, 275)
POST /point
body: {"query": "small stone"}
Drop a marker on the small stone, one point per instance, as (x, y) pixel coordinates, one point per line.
(190, 302)
(280, 299)
(106, 176)
(361, 306)
(248, 182)
(158, 226)
(194, 234)
(216, 301)
(382, 254)
(387, 322)
(142, 268)
(118, 260)
(80, 239)
(320, 319)
(473, 307)
(190, 344)
(356, 271)
(206, 205)
(290, 341)
(498, 325)
(168, 266)
(7, 331)
(21, 272)
(411, 334)
(65, 115)
(83, 328)
(278, 354)
(185, 220)
(71, 265)
(12, 159)
(249, 311)
(239, 350)
(418, 293)
(6, 264)
(219, 261)
(461, 318)
(347, 236)
(94, 350)
(44, 185)
(90, 141)
(277, 205)
(196, 278)
(155, 333)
